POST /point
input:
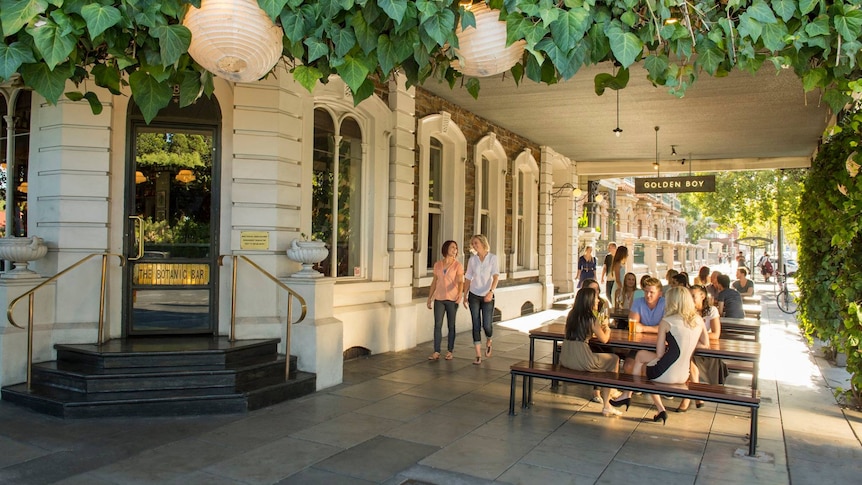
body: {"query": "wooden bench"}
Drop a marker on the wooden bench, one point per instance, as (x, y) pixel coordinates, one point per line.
(707, 392)
(751, 310)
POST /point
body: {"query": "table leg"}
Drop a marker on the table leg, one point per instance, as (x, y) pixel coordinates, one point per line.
(512, 396)
(528, 381)
(556, 360)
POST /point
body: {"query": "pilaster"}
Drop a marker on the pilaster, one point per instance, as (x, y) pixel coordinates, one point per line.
(318, 341)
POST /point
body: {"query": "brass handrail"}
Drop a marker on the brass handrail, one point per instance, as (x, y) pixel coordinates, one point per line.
(32, 300)
(291, 295)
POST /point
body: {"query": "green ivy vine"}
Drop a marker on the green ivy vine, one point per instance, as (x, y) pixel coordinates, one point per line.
(142, 44)
(830, 260)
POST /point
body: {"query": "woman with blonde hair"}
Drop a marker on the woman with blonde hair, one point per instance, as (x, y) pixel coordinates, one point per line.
(626, 295)
(480, 281)
(680, 332)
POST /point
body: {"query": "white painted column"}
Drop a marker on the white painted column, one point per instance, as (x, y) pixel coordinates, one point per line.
(402, 158)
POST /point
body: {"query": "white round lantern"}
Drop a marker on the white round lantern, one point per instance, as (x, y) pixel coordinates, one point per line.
(482, 50)
(233, 39)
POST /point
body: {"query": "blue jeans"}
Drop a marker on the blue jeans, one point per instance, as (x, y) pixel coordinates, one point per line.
(483, 314)
(448, 307)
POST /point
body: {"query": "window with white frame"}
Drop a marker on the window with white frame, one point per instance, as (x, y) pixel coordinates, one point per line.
(525, 220)
(435, 203)
(337, 193)
(442, 152)
(490, 215)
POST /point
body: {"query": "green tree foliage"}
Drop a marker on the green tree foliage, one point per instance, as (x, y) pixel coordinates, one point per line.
(831, 238)
(749, 200)
(143, 44)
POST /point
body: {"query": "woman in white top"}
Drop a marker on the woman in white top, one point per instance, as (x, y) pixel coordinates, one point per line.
(680, 332)
(480, 281)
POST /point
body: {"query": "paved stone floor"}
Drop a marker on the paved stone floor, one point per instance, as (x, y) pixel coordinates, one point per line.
(399, 418)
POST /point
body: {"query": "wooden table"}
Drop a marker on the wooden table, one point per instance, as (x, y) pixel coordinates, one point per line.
(741, 350)
(741, 326)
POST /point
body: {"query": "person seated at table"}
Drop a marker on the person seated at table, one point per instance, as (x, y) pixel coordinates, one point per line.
(604, 304)
(626, 296)
(639, 293)
(705, 369)
(582, 323)
(712, 287)
(728, 301)
(680, 332)
(743, 285)
(702, 277)
(645, 314)
(604, 316)
(681, 280)
(668, 277)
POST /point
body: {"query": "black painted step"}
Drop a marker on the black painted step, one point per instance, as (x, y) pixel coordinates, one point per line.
(161, 377)
(68, 404)
(88, 379)
(166, 352)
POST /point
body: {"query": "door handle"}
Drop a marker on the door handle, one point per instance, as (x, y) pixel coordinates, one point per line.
(138, 223)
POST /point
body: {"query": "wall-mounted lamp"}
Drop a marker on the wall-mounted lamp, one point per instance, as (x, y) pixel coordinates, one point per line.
(577, 194)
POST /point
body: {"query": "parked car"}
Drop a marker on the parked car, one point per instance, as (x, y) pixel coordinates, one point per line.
(791, 266)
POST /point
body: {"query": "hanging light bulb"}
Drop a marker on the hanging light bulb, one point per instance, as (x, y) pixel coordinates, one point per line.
(618, 131)
(655, 165)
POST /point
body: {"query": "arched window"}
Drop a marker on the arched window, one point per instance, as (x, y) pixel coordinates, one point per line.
(526, 210)
(440, 168)
(337, 193)
(490, 160)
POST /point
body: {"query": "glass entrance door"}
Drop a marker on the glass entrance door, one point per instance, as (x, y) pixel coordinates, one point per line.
(171, 231)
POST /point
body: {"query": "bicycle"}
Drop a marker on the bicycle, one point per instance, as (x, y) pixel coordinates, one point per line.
(787, 299)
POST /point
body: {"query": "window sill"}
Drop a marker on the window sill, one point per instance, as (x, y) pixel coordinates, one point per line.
(525, 273)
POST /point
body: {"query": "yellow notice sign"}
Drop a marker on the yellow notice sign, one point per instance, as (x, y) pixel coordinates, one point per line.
(160, 274)
(254, 240)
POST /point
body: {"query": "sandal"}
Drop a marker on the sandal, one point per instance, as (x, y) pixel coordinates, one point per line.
(488, 350)
(448, 355)
(477, 361)
(434, 356)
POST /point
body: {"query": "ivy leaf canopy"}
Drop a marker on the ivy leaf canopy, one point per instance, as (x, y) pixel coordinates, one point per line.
(363, 40)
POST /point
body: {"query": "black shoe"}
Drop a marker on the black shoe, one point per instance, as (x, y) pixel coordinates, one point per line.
(662, 416)
(681, 409)
(699, 404)
(620, 403)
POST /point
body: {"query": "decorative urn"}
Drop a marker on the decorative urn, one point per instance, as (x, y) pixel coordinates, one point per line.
(308, 253)
(22, 250)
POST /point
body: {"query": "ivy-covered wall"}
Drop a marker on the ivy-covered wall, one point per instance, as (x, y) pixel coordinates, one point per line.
(830, 261)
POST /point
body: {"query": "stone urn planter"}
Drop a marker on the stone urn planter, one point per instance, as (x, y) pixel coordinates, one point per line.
(22, 250)
(308, 253)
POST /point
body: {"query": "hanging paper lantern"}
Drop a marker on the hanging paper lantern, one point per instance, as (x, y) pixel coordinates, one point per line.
(233, 39)
(482, 50)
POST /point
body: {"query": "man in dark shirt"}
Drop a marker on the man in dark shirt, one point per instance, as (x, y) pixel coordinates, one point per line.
(728, 301)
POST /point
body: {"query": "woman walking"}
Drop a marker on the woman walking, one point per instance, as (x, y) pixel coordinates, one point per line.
(480, 281)
(586, 266)
(618, 268)
(445, 294)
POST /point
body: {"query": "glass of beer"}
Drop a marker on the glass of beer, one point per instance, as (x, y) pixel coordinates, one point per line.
(632, 327)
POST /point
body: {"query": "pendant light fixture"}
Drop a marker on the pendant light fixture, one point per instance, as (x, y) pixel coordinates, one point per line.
(618, 131)
(655, 164)
(185, 176)
(482, 50)
(233, 39)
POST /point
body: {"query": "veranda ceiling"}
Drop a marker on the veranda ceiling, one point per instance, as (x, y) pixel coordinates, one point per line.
(732, 123)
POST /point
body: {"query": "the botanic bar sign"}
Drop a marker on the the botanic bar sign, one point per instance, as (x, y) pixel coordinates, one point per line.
(668, 185)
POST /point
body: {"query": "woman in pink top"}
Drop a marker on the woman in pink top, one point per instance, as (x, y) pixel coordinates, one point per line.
(445, 293)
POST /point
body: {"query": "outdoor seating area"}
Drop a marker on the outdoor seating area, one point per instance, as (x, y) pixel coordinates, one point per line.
(399, 418)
